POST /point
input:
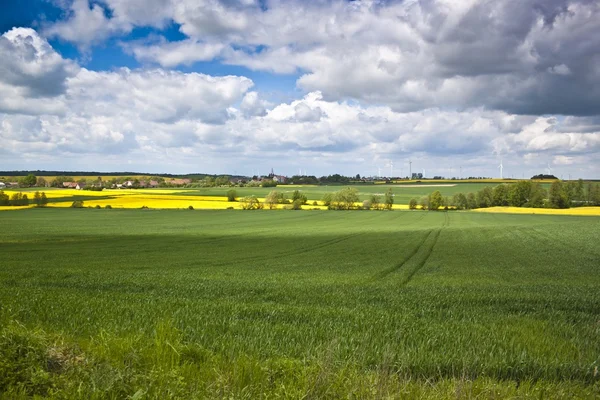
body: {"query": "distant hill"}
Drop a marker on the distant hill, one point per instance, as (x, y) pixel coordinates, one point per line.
(96, 173)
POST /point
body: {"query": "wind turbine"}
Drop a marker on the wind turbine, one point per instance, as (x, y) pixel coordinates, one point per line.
(501, 170)
(409, 169)
(548, 169)
(391, 169)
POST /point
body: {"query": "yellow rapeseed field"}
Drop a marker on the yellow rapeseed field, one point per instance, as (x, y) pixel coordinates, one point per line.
(594, 211)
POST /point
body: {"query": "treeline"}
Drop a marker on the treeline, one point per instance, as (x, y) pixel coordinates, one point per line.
(520, 194)
(21, 199)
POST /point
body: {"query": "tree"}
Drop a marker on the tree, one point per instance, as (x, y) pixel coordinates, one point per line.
(40, 182)
(327, 199)
(412, 204)
(345, 199)
(297, 204)
(424, 203)
(366, 204)
(37, 199)
(268, 183)
(557, 196)
(459, 200)
(28, 181)
(485, 197)
(298, 195)
(272, 199)
(43, 200)
(471, 201)
(594, 194)
(500, 195)
(537, 196)
(231, 195)
(79, 204)
(389, 199)
(375, 202)
(435, 200)
(4, 199)
(518, 194)
(250, 203)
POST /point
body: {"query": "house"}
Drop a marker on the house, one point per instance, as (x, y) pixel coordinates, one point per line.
(2, 185)
(128, 183)
(279, 178)
(180, 182)
(153, 184)
(70, 185)
(80, 186)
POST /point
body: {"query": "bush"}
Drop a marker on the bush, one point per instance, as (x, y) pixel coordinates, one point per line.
(268, 183)
(231, 195)
(251, 203)
(297, 204)
(315, 204)
(98, 206)
(412, 204)
(77, 204)
(190, 207)
(366, 205)
(108, 206)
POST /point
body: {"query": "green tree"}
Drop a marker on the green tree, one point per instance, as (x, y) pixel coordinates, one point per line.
(344, 199)
(537, 196)
(40, 182)
(435, 200)
(272, 199)
(594, 194)
(471, 201)
(500, 195)
(412, 204)
(4, 199)
(298, 195)
(37, 198)
(250, 203)
(518, 193)
(327, 199)
(268, 183)
(389, 199)
(297, 204)
(485, 197)
(375, 201)
(231, 195)
(557, 196)
(28, 180)
(459, 200)
(43, 200)
(424, 202)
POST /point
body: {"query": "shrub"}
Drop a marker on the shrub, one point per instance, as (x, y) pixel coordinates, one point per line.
(297, 204)
(97, 206)
(231, 195)
(314, 203)
(77, 204)
(268, 183)
(366, 205)
(190, 207)
(412, 204)
(108, 206)
(250, 203)
(144, 207)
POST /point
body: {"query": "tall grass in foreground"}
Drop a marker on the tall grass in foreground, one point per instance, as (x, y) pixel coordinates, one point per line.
(118, 304)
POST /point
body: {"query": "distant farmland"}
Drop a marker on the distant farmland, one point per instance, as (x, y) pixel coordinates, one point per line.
(267, 304)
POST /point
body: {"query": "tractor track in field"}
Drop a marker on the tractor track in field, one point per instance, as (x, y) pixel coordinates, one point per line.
(298, 251)
(428, 249)
(406, 259)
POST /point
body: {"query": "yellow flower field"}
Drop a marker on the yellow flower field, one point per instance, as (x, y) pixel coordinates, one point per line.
(594, 211)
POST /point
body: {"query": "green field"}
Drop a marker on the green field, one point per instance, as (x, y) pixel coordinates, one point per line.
(402, 192)
(284, 304)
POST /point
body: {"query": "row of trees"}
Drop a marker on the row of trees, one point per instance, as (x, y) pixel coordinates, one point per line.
(520, 194)
(21, 199)
(347, 199)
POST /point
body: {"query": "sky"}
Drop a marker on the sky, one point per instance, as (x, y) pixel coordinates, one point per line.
(456, 88)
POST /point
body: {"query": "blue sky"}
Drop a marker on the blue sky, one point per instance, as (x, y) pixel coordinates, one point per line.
(327, 87)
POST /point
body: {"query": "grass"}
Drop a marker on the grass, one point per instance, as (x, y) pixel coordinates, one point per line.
(212, 304)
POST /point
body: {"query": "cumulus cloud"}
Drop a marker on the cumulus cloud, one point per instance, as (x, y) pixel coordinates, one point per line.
(32, 74)
(505, 55)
